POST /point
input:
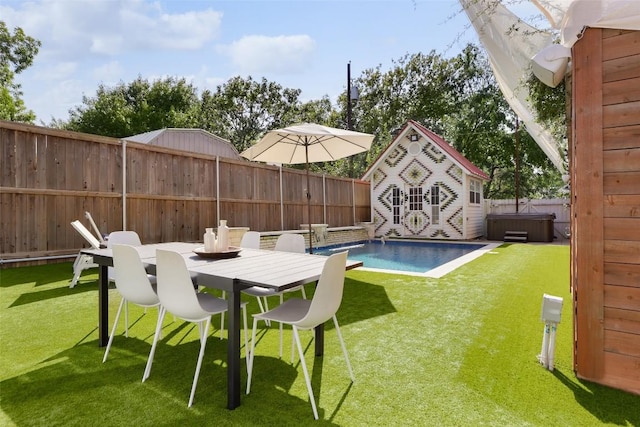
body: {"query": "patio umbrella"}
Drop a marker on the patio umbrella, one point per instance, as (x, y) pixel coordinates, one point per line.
(308, 143)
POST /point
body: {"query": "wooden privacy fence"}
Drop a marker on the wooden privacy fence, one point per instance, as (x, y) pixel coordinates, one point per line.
(51, 177)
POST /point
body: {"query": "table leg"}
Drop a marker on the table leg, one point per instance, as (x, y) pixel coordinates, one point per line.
(233, 350)
(103, 306)
(319, 331)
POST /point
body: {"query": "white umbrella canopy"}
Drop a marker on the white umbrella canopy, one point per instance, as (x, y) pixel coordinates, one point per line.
(308, 143)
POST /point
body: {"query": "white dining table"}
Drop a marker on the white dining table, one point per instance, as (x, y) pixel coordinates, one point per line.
(250, 267)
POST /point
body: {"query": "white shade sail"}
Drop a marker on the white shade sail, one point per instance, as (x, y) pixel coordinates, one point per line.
(510, 43)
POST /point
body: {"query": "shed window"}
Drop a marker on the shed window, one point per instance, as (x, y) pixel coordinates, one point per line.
(475, 189)
(396, 203)
(415, 198)
(435, 204)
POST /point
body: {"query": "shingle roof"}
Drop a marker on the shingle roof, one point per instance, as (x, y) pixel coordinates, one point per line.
(454, 154)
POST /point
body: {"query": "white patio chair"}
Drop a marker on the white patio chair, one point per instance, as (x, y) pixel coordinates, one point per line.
(307, 314)
(178, 296)
(130, 238)
(83, 261)
(285, 243)
(122, 238)
(250, 240)
(133, 283)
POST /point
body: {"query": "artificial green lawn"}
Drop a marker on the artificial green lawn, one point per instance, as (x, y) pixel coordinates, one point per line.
(455, 351)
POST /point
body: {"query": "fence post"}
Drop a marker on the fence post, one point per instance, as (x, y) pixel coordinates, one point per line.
(281, 201)
(324, 199)
(353, 199)
(124, 184)
(217, 190)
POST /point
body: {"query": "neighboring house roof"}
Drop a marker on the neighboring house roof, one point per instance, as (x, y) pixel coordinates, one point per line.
(452, 153)
(194, 140)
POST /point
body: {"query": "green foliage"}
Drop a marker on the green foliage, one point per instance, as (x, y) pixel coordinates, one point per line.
(550, 106)
(137, 107)
(241, 110)
(17, 51)
(459, 99)
(456, 97)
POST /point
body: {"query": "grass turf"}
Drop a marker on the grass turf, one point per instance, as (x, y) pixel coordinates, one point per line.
(460, 350)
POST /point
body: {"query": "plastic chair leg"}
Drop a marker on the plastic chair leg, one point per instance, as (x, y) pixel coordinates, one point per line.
(113, 330)
(306, 373)
(344, 348)
(203, 344)
(251, 353)
(156, 337)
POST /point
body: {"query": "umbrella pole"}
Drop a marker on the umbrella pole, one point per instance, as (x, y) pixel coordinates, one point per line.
(306, 153)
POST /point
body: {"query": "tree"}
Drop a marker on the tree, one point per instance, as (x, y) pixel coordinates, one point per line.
(550, 109)
(417, 87)
(137, 107)
(482, 127)
(458, 99)
(242, 109)
(17, 51)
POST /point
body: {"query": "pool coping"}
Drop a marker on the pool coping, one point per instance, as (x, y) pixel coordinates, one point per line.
(438, 272)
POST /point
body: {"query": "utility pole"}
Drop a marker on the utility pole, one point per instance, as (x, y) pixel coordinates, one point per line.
(349, 96)
(517, 156)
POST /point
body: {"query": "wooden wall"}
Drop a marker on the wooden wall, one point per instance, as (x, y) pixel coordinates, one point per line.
(49, 178)
(605, 176)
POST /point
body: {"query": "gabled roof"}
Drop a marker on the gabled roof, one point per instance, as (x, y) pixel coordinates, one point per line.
(452, 153)
(145, 138)
(194, 140)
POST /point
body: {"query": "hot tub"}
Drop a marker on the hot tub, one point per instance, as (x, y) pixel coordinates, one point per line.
(539, 226)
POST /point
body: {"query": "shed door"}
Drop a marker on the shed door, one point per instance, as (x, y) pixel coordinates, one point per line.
(415, 219)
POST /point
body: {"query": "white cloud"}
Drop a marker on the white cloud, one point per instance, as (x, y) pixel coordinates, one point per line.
(281, 54)
(73, 28)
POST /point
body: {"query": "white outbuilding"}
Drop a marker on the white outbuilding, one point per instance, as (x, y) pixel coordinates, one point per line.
(422, 187)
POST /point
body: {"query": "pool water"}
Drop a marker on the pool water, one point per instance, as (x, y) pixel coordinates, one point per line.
(416, 257)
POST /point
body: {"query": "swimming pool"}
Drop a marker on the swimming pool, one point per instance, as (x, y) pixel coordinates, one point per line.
(431, 259)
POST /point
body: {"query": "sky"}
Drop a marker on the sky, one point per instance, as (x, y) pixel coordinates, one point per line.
(302, 44)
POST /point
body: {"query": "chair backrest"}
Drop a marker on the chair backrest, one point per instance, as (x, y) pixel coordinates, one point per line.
(124, 238)
(175, 288)
(290, 243)
(250, 240)
(328, 295)
(84, 232)
(131, 279)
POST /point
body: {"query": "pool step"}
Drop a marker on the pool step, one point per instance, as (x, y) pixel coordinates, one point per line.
(516, 236)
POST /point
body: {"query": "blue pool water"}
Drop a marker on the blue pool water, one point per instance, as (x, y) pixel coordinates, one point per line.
(415, 257)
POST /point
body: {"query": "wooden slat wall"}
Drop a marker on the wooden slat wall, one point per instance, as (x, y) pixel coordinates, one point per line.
(606, 192)
(48, 178)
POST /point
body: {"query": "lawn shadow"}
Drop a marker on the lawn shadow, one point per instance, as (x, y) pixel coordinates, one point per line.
(40, 274)
(74, 387)
(609, 405)
(362, 301)
(47, 294)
